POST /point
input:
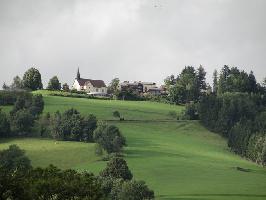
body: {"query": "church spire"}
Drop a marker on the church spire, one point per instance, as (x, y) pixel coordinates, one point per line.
(78, 75)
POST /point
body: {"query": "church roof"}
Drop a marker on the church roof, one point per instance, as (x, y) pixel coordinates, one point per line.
(95, 83)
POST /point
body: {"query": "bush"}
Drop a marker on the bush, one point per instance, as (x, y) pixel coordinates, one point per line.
(37, 105)
(54, 84)
(34, 104)
(191, 112)
(111, 156)
(135, 190)
(117, 168)
(50, 182)
(109, 137)
(44, 125)
(22, 122)
(65, 87)
(13, 159)
(9, 97)
(116, 114)
(72, 126)
(116, 182)
(75, 94)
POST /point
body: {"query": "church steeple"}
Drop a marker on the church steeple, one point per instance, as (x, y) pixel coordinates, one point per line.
(78, 75)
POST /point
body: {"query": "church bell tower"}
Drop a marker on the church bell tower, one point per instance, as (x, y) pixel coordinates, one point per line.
(78, 75)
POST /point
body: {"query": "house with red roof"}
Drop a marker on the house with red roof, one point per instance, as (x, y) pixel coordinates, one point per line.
(93, 87)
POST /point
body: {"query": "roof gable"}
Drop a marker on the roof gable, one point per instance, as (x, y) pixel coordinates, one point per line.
(95, 83)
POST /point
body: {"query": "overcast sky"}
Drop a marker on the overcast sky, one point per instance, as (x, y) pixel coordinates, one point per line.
(130, 39)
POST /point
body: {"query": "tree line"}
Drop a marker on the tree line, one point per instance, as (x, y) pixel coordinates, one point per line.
(237, 110)
(187, 86)
(32, 80)
(235, 106)
(20, 180)
(21, 119)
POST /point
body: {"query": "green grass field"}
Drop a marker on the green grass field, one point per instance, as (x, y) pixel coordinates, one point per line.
(178, 160)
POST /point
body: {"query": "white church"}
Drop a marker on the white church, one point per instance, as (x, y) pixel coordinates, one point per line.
(92, 87)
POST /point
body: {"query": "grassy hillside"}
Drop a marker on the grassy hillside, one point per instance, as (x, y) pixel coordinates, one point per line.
(103, 109)
(63, 154)
(179, 160)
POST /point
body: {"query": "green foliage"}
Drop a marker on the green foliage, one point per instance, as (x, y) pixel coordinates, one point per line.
(134, 190)
(239, 135)
(65, 87)
(37, 105)
(5, 86)
(9, 97)
(49, 183)
(215, 82)
(201, 80)
(44, 125)
(191, 111)
(234, 80)
(14, 185)
(18, 180)
(238, 117)
(188, 86)
(117, 168)
(14, 159)
(71, 93)
(4, 125)
(113, 87)
(220, 113)
(54, 84)
(129, 94)
(26, 109)
(109, 137)
(116, 114)
(22, 122)
(32, 79)
(17, 83)
(176, 94)
(72, 126)
(53, 183)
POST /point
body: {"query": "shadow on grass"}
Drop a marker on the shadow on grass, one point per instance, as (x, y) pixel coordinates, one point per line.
(148, 153)
(8, 140)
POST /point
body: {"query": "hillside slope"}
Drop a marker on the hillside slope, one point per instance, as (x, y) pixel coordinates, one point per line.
(179, 160)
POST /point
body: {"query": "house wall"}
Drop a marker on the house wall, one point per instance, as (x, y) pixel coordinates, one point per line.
(76, 85)
(146, 87)
(101, 90)
(88, 87)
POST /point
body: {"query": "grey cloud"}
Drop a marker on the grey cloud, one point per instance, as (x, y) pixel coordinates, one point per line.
(133, 40)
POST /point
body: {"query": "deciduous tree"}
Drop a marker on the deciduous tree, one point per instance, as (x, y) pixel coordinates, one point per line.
(32, 79)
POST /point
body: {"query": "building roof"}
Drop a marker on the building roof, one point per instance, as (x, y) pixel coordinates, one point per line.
(154, 89)
(95, 83)
(148, 83)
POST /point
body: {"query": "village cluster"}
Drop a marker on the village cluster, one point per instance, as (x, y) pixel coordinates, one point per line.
(99, 88)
